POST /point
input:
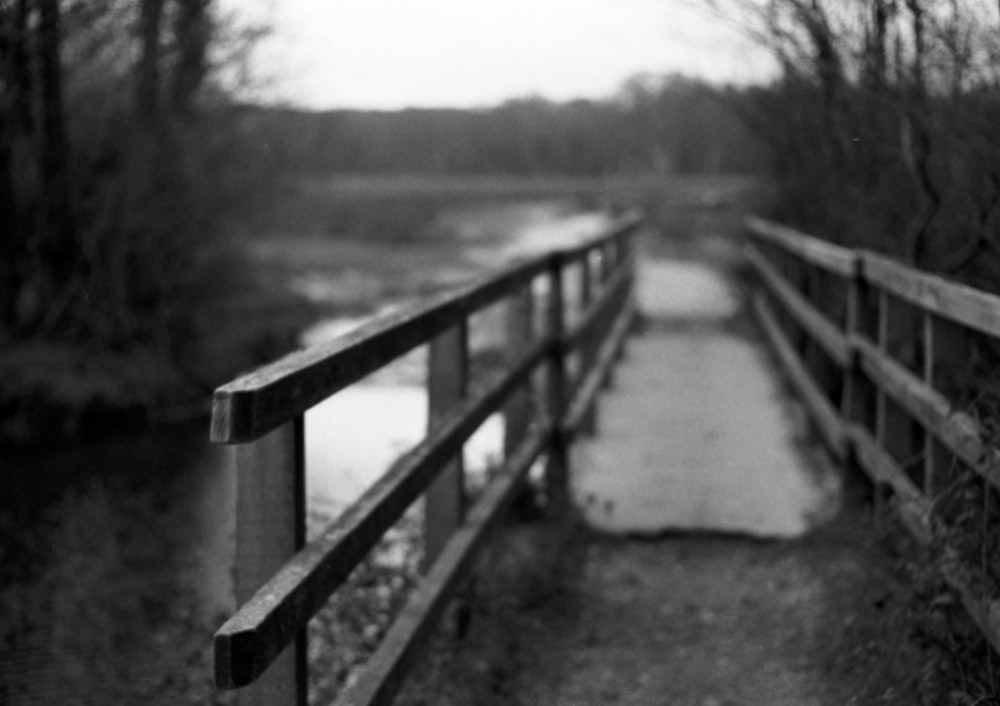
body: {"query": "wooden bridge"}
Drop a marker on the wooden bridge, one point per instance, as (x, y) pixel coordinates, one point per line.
(870, 346)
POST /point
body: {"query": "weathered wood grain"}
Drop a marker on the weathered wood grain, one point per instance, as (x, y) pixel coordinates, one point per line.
(947, 310)
(556, 385)
(270, 529)
(822, 411)
(830, 257)
(386, 669)
(250, 640)
(894, 428)
(952, 427)
(819, 328)
(447, 382)
(946, 347)
(965, 305)
(253, 404)
(882, 468)
(518, 411)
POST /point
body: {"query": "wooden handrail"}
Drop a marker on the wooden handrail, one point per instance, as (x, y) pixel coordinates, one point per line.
(258, 402)
(282, 584)
(820, 253)
(874, 353)
(960, 303)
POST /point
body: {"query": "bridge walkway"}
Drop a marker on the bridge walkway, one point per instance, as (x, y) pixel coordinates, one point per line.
(686, 592)
(700, 420)
(712, 445)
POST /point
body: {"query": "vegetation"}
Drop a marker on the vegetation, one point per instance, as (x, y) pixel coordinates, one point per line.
(882, 124)
(882, 129)
(655, 124)
(119, 163)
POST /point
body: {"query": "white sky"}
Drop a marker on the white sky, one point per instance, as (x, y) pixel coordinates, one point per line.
(396, 53)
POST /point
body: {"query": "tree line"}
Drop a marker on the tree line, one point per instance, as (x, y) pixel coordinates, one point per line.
(654, 123)
(883, 124)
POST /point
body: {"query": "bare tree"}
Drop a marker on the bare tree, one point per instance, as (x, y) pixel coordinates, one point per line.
(192, 33)
(57, 214)
(147, 81)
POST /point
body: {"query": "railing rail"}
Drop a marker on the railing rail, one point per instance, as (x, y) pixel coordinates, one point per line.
(281, 582)
(873, 347)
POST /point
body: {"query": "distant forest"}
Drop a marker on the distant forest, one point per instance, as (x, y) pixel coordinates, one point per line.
(654, 124)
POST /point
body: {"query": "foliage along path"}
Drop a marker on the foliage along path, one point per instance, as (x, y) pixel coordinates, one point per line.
(719, 613)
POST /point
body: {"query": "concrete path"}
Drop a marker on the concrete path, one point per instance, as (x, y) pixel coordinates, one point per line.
(696, 433)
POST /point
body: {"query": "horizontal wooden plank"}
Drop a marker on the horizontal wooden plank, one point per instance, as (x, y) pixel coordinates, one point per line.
(825, 255)
(250, 640)
(253, 404)
(882, 468)
(822, 411)
(955, 429)
(960, 303)
(590, 386)
(383, 675)
(816, 325)
(622, 228)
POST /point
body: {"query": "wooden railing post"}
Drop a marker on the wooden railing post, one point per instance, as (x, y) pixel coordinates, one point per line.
(894, 429)
(851, 408)
(520, 336)
(557, 470)
(270, 528)
(590, 346)
(447, 382)
(945, 351)
(606, 270)
(626, 260)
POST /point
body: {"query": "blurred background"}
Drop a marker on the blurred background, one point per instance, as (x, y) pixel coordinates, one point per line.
(189, 188)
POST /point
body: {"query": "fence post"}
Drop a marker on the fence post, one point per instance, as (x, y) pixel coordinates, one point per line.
(520, 334)
(606, 270)
(270, 528)
(447, 380)
(591, 342)
(557, 469)
(812, 353)
(894, 428)
(945, 351)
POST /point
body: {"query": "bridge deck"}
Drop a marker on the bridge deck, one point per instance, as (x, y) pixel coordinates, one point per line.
(704, 618)
(696, 432)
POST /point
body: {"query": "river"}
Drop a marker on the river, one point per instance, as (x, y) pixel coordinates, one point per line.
(117, 555)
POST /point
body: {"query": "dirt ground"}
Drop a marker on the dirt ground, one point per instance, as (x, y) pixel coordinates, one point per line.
(687, 620)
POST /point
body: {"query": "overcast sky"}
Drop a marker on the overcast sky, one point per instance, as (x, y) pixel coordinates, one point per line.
(396, 53)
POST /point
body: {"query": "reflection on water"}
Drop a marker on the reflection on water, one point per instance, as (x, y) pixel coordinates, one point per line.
(352, 438)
